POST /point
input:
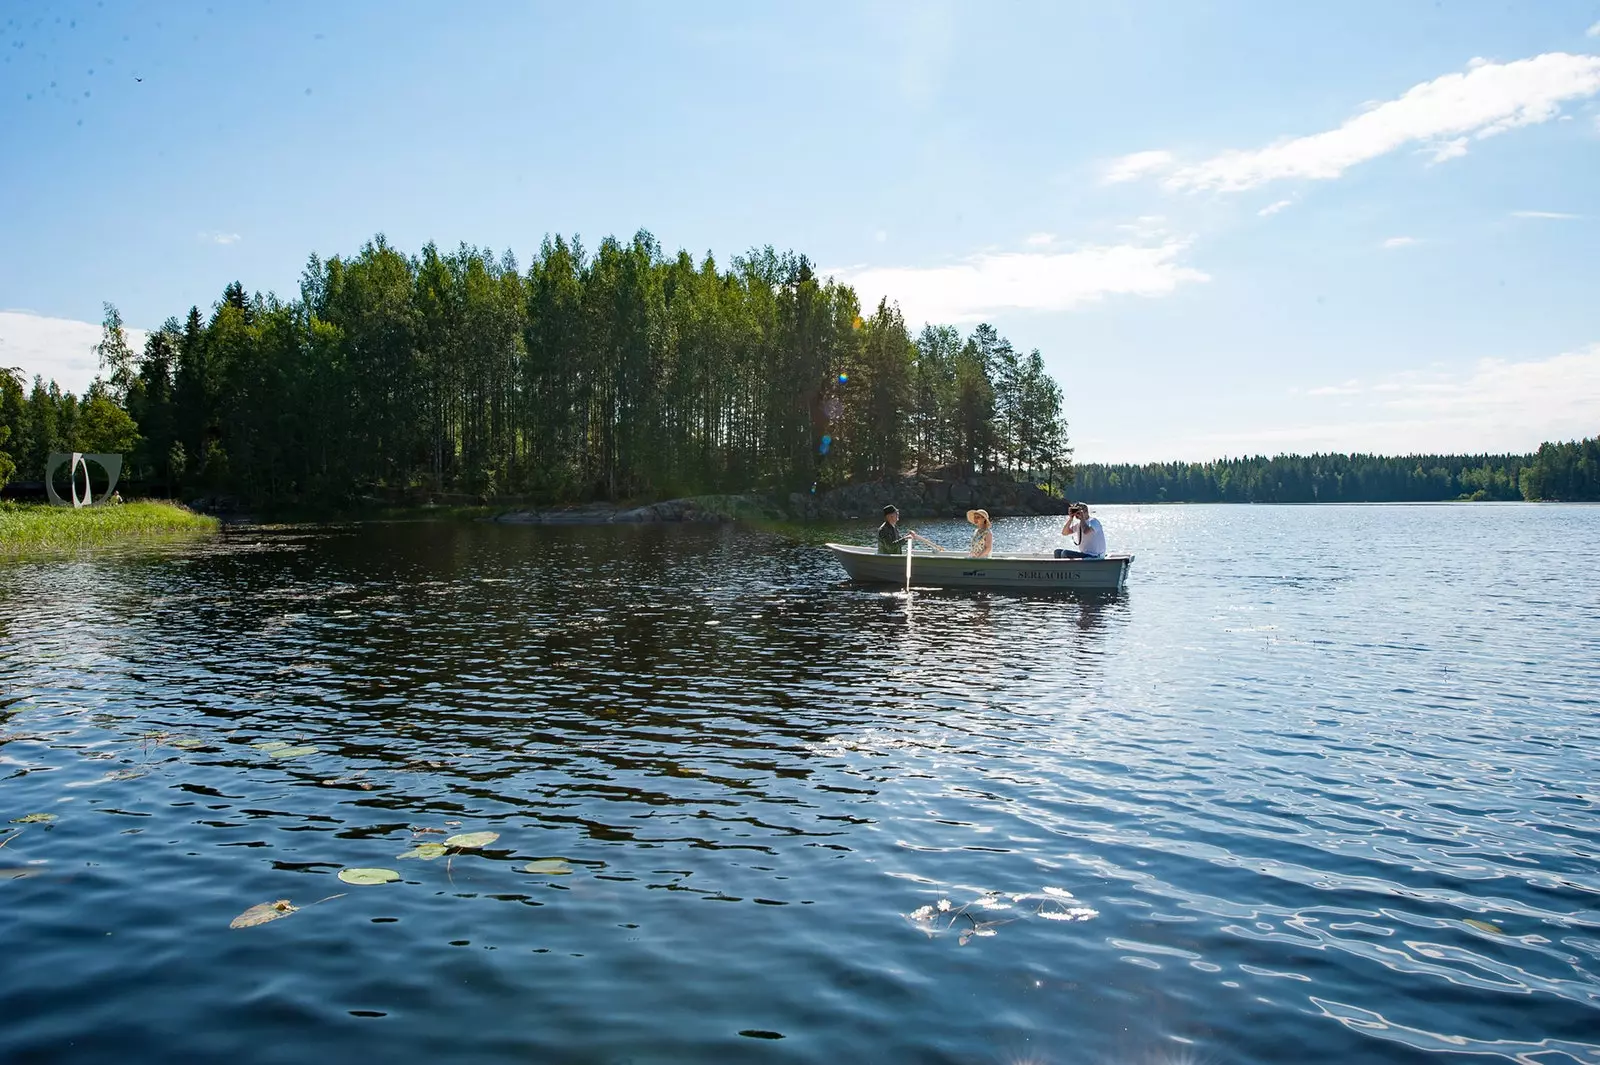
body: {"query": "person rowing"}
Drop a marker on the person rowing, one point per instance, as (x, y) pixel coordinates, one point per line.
(891, 541)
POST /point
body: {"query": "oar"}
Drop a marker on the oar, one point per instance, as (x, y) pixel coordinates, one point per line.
(911, 547)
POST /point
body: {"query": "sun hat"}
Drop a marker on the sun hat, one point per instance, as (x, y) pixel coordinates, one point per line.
(890, 508)
(974, 515)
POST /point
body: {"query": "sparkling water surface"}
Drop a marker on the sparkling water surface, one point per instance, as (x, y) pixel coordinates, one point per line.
(1321, 785)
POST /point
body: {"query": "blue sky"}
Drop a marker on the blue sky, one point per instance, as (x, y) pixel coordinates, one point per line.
(1230, 227)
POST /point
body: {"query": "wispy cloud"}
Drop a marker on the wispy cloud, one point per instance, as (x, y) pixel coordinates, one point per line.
(1273, 208)
(1493, 405)
(1040, 240)
(57, 349)
(1594, 31)
(1545, 214)
(214, 237)
(1135, 166)
(1400, 242)
(980, 285)
(1441, 117)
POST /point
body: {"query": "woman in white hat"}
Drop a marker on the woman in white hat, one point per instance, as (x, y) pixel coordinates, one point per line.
(982, 536)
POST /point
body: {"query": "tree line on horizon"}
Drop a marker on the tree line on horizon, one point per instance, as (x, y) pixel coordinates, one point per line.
(613, 374)
(1557, 471)
(624, 374)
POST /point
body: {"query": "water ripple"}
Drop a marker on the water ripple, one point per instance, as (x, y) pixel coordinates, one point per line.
(1265, 798)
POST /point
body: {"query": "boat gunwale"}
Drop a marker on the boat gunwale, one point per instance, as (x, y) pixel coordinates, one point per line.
(951, 556)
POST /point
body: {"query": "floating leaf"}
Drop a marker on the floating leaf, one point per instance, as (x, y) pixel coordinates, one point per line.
(426, 851)
(19, 873)
(261, 913)
(548, 867)
(292, 752)
(271, 745)
(33, 819)
(1485, 926)
(472, 840)
(368, 876)
(187, 743)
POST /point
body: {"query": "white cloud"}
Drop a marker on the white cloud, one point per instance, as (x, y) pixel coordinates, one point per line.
(58, 349)
(214, 237)
(1135, 166)
(1039, 240)
(1441, 116)
(1448, 150)
(1545, 214)
(1594, 31)
(1493, 406)
(1400, 242)
(1273, 208)
(983, 284)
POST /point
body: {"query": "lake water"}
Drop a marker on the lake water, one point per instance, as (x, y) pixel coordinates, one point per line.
(1321, 785)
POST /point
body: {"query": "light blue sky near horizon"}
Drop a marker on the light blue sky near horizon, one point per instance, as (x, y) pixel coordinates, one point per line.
(1433, 296)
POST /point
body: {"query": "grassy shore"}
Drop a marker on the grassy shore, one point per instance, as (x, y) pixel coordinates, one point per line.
(30, 529)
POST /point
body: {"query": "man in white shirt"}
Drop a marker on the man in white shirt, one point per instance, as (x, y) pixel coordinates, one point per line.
(1086, 534)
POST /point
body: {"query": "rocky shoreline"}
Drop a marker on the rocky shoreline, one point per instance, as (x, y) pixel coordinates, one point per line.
(916, 496)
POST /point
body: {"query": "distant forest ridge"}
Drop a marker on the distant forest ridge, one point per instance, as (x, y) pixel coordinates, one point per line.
(1557, 471)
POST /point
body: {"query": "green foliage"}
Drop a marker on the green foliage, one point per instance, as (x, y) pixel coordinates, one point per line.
(104, 427)
(1565, 471)
(617, 373)
(115, 354)
(1319, 478)
(7, 466)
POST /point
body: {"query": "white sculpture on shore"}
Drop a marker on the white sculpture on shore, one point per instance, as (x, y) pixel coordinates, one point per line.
(112, 464)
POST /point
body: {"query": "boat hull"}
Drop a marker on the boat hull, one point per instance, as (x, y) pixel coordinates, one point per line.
(1000, 572)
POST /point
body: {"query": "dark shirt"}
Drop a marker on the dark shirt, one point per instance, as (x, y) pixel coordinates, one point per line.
(890, 540)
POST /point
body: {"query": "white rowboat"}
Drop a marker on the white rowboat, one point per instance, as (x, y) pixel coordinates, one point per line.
(1007, 572)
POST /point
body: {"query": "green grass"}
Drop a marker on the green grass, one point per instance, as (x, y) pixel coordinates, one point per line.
(33, 529)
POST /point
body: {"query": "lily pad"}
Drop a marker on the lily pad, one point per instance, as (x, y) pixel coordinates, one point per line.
(187, 743)
(33, 819)
(368, 876)
(261, 913)
(1485, 926)
(292, 752)
(471, 840)
(426, 851)
(271, 745)
(548, 867)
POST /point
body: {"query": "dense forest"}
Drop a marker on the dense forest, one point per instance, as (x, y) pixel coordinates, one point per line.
(1564, 471)
(624, 374)
(1308, 479)
(1557, 472)
(607, 375)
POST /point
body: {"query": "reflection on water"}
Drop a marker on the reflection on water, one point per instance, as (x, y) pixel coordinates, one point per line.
(1267, 797)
